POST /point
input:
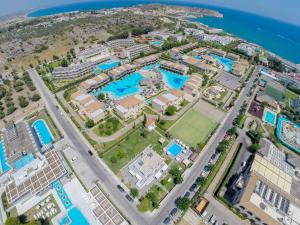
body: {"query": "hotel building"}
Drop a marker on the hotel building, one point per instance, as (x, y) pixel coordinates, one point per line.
(192, 85)
(135, 51)
(93, 54)
(172, 97)
(174, 67)
(145, 61)
(88, 105)
(121, 71)
(120, 43)
(130, 107)
(95, 82)
(272, 190)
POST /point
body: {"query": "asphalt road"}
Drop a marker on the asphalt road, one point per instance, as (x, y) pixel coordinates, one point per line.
(109, 182)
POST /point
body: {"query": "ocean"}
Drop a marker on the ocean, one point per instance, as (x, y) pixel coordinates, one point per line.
(278, 37)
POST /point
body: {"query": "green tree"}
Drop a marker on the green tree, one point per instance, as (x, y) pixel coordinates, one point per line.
(134, 192)
(35, 97)
(254, 148)
(171, 110)
(184, 203)
(64, 63)
(101, 97)
(89, 123)
(12, 221)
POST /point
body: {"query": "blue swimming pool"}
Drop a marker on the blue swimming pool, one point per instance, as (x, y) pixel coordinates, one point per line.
(4, 166)
(43, 132)
(174, 149)
(74, 217)
(270, 117)
(62, 194)
(198, 57)
(156, 43)
(173, 80)
(227, 63)
(150, 67)
(108, 65)
(23, 161)
(122, 88)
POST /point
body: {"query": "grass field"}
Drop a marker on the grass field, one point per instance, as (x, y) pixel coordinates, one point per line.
(291, 95)
(108, 127)
(118, 156)
(193, 128)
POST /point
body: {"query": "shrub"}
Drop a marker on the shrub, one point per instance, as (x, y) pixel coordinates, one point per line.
(184, 203)
(23, 102)
(89, 124)
(134, 192)
(35, 97)
(171, 110)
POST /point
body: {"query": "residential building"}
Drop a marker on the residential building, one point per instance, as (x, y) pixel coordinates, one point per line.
(95, 82)
(136, 51)
(148, 60)
(77, 70)
(193, 31)
(120, 43)
(174, 67)
(147, 167)
(88, 105)
(159, 35)
(130, 107)
(247, 48)
(177, 37)
(271, 194)
(94, 54)
(121, 71)
(172, 97)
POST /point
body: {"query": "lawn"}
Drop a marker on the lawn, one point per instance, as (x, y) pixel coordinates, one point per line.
(122, 153)
(108, 127)
(291, 95)
(193, 128)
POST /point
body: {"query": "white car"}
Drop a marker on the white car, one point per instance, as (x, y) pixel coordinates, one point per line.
(243, 164)
(204, 214)
(212, 219)
(74, 159)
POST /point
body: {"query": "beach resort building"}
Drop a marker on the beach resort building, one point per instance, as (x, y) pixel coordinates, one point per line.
(121, 71)
(174, 67)
(192, 85)
(177, 52)
(120, 43)
(271, 194)
(95, 82)
(222, 40)
(172, 97)
(145, 61)
(206, 64)
(94, 54)
(240, 67)
(88, 105)
(77, 70)
(233, 56)
(217, 52)
(135, 51)
(147, 167)
(247, 48)
(130, 107)
(193, 32)
(35, 178)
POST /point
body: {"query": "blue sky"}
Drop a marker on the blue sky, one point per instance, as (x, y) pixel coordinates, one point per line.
(285, 10)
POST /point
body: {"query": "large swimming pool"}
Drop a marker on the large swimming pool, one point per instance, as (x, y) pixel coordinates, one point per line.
(269, 117)
(74, 216)
(227, 63)
(108, 65)
(156, 43)
(43, 132)
(23, 161)
(4, 166)
(173, 80)
(174, 149)
(122, 88)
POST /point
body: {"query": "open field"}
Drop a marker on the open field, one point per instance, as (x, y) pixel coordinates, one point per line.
(108, 127)
(118, 156)
(193, 128)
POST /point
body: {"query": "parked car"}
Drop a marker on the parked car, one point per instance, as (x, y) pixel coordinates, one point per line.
(187, 194)
(167, 220)
(192, 188)
(212, 219)
(174, 212)
(74, 159)
(243, 163)
(204, 214)
(120, 188)
(129, 198)
(90, 152)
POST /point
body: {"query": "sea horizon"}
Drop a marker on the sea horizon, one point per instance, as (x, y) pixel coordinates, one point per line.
(251, 27)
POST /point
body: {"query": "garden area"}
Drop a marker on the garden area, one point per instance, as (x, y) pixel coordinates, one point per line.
(193, 128)
(129, 147)
(108, 127)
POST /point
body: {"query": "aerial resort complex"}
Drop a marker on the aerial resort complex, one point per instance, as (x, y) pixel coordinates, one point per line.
(142, 115)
